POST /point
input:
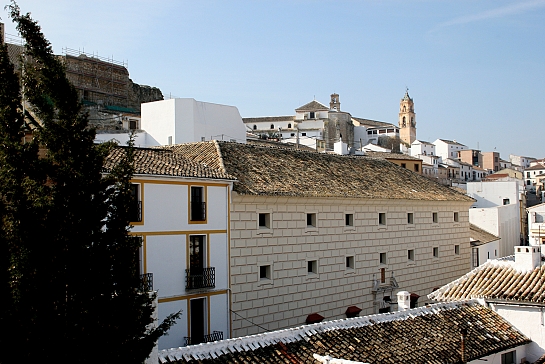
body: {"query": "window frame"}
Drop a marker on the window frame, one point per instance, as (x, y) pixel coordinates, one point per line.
(204, 194)
(383, 258)
(139, 202)
(382, 220)
(435, 218)
(410, 255)
(435, 252)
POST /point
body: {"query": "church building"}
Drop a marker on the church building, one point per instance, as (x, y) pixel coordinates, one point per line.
(319, 126)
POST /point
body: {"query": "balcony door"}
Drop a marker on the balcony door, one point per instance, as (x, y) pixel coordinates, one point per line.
(197, 320)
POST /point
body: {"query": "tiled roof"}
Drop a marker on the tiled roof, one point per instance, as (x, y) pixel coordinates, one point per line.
(497, 279)
(268, 119)
(285, 172)
(423, 335)
(162, 162)
(395, 156)
(373, 123)
(479, 236)
(313, 106)
(422, 142)
(535, 168)
(272, 143)
(451, 142)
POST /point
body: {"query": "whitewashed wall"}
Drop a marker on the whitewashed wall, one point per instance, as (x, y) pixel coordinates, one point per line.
(490, 194)
(530, 321)
(165, 229)
(502, 221)
(188, 120)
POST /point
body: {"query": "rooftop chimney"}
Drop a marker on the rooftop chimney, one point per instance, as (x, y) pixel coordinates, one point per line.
(527, 257)
(403, 300)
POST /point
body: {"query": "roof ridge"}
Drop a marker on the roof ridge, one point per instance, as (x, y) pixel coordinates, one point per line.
(252, 342)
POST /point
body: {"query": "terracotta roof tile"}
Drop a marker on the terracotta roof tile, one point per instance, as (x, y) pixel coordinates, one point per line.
(384, 155)
(480, 236)
(312, 106)
(423, 335)
(496, 280)
(373, 123)
(163, 162)
(268, 119)
(285, 172)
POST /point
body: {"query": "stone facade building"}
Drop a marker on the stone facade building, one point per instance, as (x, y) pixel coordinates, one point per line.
(313, 234)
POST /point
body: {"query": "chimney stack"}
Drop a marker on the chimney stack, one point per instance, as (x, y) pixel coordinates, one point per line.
(403, 300)
(527, 257)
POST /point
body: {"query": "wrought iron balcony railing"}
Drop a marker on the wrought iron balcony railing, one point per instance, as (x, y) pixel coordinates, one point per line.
(198, 211)
(200, 278)
(146, 282)
(214, 336)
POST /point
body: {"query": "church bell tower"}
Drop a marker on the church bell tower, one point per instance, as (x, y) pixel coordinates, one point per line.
(407, 119)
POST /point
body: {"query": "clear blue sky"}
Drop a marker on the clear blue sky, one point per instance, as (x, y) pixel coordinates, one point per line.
(475, 69)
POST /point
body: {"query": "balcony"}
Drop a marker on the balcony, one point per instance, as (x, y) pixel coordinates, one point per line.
(200, 278)
(146, 282)
(214, 336)
(135, 213)
(198, 211)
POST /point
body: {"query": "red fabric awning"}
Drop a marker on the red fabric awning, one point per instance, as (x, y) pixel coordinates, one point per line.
(352, 311)
(314, 318)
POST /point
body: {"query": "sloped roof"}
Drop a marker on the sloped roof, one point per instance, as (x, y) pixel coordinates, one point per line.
(479, 236)
(268, 119)
(161, 162)
(276, 144)
(451, 142)
(286, 172)
(535, 168)
(423, 335)
(394, 156)
(496, 280)
(373, 123)
(312, 106)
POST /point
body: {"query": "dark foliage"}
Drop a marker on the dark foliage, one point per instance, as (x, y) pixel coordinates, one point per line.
(70, 269)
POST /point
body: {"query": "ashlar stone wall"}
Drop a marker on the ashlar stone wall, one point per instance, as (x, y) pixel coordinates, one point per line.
(287, 269)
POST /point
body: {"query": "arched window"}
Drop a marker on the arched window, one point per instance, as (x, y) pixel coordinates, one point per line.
(404, 123)
(272, 126)
(255, 127)
(404, 108)
(289, 126)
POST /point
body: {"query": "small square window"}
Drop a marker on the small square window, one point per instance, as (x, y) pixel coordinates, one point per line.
(404, 165)
(350, 262)
(312, 267)
(311, 220)
(456, 217)
(264, 220)
(434, 217)
(410, 218)
(457, 249)
(264, 272)
(382, 218)
(410, 255)
(382, 258)
(349, 219)
(436, 252)
(506, 201)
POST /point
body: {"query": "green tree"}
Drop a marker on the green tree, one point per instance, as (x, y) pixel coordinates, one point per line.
(71, 286)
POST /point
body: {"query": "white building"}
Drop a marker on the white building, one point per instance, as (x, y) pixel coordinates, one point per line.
(181, 213)
(448, 148)
(420, 147)
(536, 224)
(187, 120)
(519, 162)
(531, 174)
(484, 246)
(512, 287)
(497, 210)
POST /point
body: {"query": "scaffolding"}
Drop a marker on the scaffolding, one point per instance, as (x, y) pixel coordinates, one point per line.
(98, 80)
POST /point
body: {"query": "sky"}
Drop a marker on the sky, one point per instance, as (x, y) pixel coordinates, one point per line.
(474, 68)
